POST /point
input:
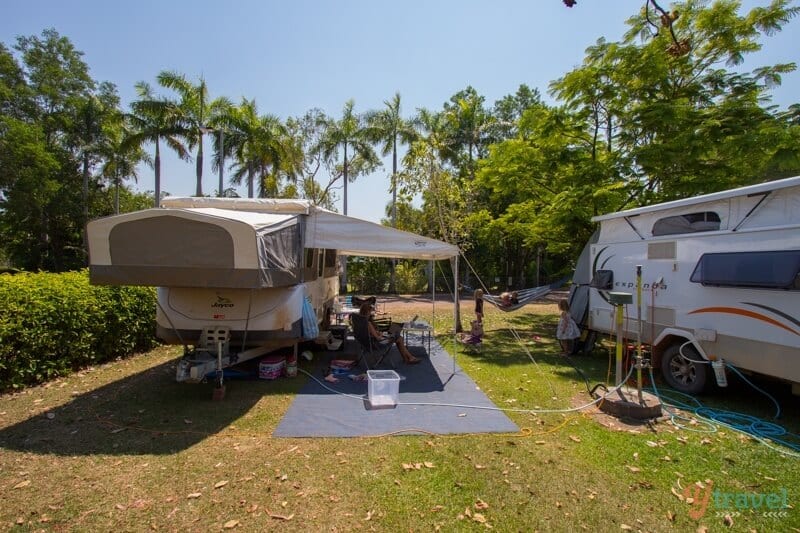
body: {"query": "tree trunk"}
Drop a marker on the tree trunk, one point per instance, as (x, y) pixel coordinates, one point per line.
(85, 197)
(199, 168)
(343, 258)
(158, 175)
(393, 269)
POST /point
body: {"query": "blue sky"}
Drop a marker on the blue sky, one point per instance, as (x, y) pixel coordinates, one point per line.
(292, 56)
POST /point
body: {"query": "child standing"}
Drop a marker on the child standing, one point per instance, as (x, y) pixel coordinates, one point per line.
(479, 305)
(567, 330)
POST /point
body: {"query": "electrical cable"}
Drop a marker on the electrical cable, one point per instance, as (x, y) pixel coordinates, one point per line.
(479, 407)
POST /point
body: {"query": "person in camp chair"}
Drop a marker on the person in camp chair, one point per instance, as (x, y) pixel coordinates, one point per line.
(377, 338)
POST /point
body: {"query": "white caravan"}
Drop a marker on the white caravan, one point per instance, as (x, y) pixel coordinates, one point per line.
(720, 280)
(238, 278)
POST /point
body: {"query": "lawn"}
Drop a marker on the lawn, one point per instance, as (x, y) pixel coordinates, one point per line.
(123, 447)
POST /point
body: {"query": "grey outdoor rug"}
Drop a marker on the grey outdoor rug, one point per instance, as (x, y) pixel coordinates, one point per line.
(433, 398)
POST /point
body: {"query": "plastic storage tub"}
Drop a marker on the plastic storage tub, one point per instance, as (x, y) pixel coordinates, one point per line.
(383, 388)
(271, 367)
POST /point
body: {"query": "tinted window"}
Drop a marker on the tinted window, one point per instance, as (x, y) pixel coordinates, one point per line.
(330, 258)
(766, 270)
(688, 223)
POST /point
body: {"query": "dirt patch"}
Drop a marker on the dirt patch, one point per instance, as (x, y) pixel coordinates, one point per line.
(612, 422)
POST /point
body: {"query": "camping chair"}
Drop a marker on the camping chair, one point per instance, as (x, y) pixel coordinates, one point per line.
(371, 353)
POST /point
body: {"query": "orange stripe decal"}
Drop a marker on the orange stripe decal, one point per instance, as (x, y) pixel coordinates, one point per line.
(745, 313)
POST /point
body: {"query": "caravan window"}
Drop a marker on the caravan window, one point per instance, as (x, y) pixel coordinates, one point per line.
(688, 223)
(330, 258)
(764, 270)
(311, 253)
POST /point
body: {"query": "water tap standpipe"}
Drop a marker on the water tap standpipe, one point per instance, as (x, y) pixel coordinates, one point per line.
(619, 300)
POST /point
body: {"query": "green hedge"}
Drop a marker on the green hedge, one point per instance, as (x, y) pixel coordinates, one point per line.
(51, 324)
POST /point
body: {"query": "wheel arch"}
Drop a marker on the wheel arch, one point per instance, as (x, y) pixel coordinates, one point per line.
(671, 336)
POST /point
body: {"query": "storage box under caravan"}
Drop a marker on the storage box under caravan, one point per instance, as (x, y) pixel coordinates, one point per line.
(720, 281)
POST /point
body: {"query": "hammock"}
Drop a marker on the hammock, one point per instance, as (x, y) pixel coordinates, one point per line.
(524, 296)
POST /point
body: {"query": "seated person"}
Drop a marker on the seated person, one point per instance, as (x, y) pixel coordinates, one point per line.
(475, 335)
(377, 337)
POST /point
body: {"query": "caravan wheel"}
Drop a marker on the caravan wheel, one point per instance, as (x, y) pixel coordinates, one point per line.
(682, 374)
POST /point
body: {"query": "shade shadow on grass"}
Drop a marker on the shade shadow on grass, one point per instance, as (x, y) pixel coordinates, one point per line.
(143, 413)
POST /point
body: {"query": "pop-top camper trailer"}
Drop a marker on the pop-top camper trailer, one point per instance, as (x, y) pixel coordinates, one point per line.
(234, 275)
(720, 281)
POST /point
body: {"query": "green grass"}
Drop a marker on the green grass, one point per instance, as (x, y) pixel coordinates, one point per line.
(126, 448)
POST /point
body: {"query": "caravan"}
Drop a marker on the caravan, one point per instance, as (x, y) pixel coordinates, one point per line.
(237, 278)
(720, 281)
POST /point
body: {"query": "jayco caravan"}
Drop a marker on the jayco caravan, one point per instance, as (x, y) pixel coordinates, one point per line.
(238, 278)
(720, 281)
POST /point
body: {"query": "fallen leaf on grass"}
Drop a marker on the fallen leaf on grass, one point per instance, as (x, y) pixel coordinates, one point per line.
(22, 484)
(670, 516)
(626, 527)
(193, 496)
(230, 524)
(633, 468)
(220, 484)
(278, 516)
(252, 508)
(369, 515)
(478, 517)
(480, 504)
(727, 520)
(575, 438)
(428, 464)
(651, 444)
(187, 421)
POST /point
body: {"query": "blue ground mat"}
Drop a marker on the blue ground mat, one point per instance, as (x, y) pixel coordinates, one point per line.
(433, 398)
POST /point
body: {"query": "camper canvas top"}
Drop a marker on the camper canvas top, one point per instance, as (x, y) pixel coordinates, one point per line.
(236, 243)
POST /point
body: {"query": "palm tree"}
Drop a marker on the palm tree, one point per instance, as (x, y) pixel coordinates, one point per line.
(386, 127)
(466, 121)
(260, 147)
(221, 115)
(153, 119)
(121, 159)
(349, 133)
(195, 111)
(91, 114)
